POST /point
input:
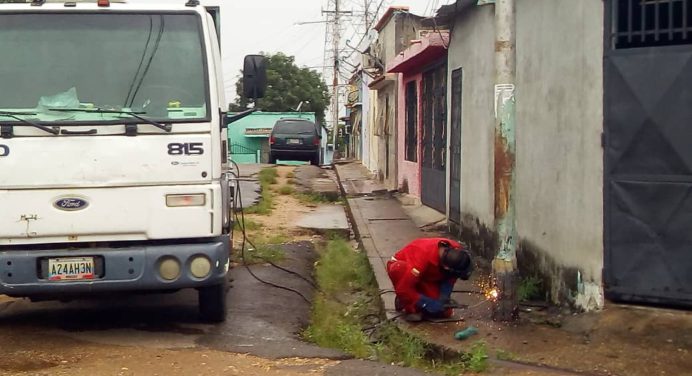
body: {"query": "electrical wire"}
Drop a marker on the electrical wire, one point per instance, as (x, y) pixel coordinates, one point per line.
(151, 59)
(141, 61)
(241, 221)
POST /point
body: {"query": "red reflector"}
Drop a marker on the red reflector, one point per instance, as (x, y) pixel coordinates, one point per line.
(104, 3)
(272, 140)
(316, 141)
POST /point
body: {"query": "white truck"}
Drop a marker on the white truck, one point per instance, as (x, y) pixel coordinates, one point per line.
(113, 170)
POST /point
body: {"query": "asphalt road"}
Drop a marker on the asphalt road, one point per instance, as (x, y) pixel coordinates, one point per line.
(140, 331)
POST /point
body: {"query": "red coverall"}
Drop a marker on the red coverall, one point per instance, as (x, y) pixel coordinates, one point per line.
(415, 270)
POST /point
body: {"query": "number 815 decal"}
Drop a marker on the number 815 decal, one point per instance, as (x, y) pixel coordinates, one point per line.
(191, 148)
(4, 150)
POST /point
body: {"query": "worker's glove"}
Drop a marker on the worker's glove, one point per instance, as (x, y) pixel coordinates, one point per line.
(446, 288)
(429, 305)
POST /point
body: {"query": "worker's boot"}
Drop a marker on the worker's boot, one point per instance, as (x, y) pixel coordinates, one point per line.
(413, 317)
(398, 306)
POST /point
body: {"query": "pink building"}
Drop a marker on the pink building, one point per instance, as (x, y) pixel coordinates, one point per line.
(421, 124)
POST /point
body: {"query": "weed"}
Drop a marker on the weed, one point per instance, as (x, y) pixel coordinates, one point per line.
(476, 360)
(312, 198)
(504, 355)
(286, 190)
(250, 225)
(268, 175)
(331, 328)
(263, 253)
(340, 266)
(529, 288)
(290, 175)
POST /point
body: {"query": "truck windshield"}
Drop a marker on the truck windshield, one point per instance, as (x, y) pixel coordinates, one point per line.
(152, 64)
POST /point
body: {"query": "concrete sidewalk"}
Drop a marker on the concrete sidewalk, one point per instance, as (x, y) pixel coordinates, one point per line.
(620, 340)
(378, 221)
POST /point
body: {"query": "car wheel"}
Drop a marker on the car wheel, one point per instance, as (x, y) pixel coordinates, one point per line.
(212, 303)
(315, 160)
(272, 159)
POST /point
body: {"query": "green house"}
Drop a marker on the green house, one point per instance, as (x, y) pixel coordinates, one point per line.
(248, 138)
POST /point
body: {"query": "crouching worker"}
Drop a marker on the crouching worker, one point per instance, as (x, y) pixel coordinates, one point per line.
(423, 274)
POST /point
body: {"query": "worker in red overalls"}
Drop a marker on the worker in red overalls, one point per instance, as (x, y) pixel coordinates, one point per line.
(423, 274)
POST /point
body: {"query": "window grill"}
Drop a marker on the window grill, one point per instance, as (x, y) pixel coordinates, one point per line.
(651, 23)
(412, 121)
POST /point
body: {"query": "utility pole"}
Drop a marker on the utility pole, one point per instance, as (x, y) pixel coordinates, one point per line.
(336, 40)
(335, 24)
(505, 262)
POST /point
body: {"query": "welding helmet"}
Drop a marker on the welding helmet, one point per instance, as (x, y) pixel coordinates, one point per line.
(455, 262)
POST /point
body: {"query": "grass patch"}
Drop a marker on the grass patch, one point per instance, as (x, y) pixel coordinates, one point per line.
(286, 190)
(290, 175)
(342, 318)
(250, 225)
(267, 249)
(267, 177)
(504, 355)
(263, 253)
(312, 198)
(529, 288)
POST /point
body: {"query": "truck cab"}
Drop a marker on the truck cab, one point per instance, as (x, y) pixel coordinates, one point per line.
(113, 170)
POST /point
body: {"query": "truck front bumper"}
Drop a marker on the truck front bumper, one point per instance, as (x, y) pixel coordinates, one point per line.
(128, 268)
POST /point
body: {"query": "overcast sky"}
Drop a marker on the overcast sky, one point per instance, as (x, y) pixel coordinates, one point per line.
(251, 26)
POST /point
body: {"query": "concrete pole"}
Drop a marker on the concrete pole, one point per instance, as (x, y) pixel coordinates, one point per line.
(335, 82)
(505, 262)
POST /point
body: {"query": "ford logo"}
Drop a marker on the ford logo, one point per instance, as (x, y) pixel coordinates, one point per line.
(71, 204)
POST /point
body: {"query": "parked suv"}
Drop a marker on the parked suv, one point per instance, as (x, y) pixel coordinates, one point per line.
(295, 140)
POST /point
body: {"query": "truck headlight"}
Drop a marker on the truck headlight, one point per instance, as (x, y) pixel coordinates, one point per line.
(175, 201)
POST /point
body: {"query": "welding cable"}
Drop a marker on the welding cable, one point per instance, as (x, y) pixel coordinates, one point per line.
(310, 282)
(241, 221)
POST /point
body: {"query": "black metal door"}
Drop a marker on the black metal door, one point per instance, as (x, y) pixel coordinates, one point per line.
(455, 149)
(648, 152)
(433, 168)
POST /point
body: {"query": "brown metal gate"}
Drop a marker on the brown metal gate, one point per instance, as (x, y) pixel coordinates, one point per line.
(434, 162)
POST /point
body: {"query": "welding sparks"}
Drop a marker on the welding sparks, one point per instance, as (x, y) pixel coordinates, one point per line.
(492, 294)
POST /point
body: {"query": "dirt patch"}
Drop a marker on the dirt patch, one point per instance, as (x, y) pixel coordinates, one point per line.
(281, 222)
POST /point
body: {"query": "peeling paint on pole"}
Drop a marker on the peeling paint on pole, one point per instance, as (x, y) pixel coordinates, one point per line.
(505, 164)
(504, 264)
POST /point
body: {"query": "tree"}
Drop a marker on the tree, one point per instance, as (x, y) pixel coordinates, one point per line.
(287, 86)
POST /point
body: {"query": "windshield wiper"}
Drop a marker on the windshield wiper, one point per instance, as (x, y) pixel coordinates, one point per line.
(16, 116)
(136, 115)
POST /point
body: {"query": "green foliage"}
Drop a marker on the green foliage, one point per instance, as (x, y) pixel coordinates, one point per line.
(504, 355)
(287, 86)
(529, 288)
(267, 177)
(340, 267)
(403, 348)
(263, 253)
(286, 190)
(332, 328)
(250, 225)
(476, 360)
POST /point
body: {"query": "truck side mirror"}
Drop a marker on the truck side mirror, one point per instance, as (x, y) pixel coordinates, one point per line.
(254, 76)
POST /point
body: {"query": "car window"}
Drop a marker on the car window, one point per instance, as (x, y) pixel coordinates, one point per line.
(294, 127)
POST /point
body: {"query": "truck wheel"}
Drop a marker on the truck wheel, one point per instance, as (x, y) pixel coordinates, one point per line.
(212, 302)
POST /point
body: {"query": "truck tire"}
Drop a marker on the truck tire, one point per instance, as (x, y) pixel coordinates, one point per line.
(212, 303)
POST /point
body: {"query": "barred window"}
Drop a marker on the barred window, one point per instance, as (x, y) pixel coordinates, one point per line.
(650, 23)
(412, 121)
